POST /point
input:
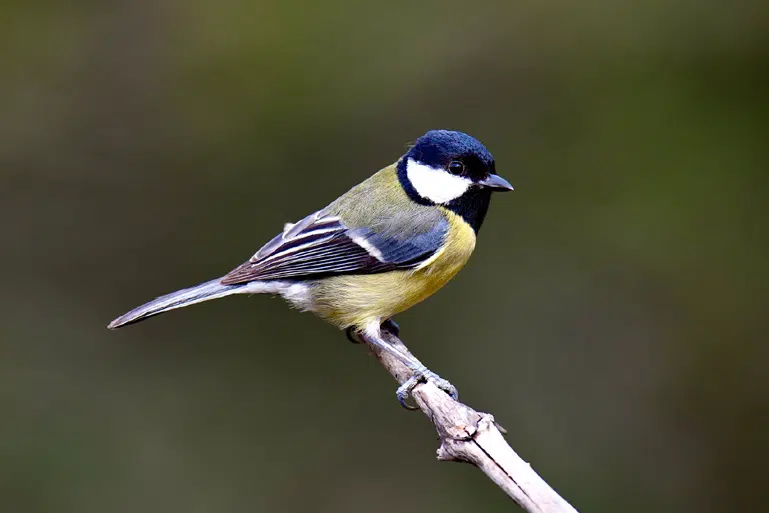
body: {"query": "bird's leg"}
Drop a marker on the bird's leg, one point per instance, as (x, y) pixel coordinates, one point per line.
(352, 335)
(389, 325)
(392, 327)
(373, 336)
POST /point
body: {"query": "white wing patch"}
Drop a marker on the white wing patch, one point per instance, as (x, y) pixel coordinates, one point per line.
(436, 185)
(365, 244)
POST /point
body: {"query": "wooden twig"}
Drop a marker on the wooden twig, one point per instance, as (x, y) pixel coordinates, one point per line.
(473, 437)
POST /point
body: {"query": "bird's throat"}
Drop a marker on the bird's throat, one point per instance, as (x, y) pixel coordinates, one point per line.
(472, 206)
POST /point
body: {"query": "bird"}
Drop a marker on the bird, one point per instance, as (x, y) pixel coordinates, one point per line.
(380, 248)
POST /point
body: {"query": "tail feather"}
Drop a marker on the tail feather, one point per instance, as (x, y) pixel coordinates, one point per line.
(209, 290)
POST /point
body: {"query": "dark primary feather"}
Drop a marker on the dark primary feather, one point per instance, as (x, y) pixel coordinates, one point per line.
(321, 245)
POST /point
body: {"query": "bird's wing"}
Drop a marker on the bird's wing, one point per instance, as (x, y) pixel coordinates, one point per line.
(321, 245)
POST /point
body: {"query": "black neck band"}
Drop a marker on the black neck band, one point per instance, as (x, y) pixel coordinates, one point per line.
(472, 206)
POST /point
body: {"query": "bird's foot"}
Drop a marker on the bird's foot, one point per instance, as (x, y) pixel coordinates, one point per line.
(423, 376)
(391, 327)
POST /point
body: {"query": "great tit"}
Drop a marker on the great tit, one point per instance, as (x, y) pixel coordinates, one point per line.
(382, 247)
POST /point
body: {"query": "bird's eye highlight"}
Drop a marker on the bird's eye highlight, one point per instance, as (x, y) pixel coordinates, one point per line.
(456, 167)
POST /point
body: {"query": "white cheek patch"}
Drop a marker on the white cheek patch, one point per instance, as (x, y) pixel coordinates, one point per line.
(435, 184)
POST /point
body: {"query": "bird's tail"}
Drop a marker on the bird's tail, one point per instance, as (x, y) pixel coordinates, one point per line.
(209, 290)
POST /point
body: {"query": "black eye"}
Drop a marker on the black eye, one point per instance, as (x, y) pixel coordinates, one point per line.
(456, 167)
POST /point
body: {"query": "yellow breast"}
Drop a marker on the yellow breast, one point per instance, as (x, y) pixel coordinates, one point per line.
(356, 300)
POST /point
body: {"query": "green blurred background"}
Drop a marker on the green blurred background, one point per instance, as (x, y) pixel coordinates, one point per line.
(613, 317)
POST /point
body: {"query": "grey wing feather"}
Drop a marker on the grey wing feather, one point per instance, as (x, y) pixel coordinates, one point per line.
(321, 245)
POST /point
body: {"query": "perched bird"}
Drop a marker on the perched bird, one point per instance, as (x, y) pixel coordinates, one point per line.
(383, 246)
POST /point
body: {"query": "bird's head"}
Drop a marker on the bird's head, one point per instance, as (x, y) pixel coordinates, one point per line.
(442, 166)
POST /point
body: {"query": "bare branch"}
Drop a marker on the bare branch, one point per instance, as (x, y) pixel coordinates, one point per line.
(473, 437)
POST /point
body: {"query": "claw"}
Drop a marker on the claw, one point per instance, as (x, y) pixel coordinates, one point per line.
(404, 391)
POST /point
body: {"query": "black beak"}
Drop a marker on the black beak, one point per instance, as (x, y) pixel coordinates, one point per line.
(496, 183)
